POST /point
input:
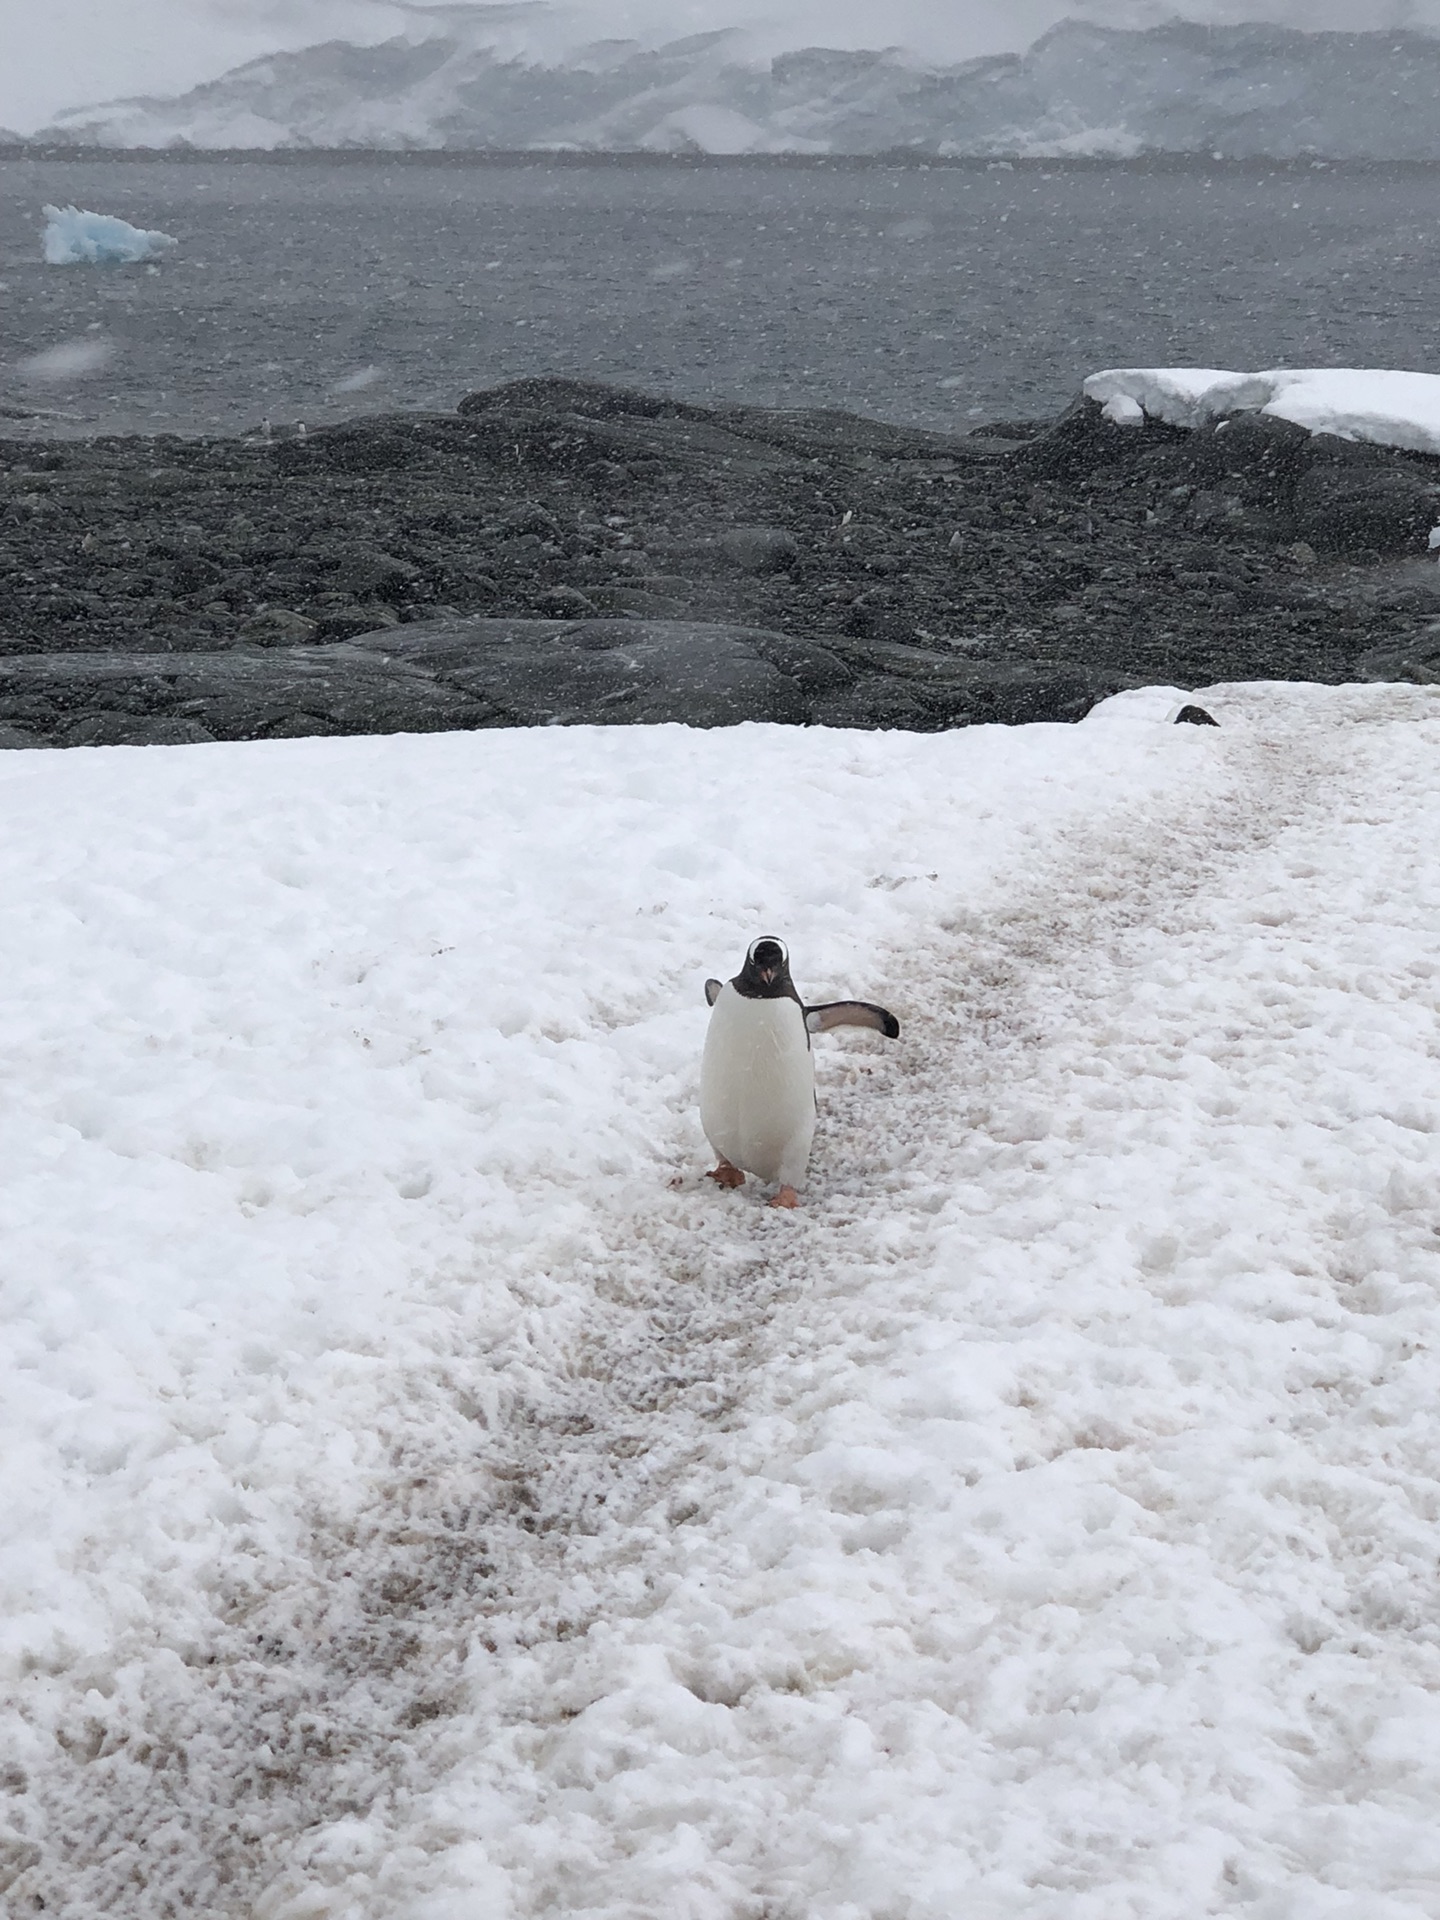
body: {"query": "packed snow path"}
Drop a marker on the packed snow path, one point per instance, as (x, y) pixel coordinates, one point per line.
(426, 1511)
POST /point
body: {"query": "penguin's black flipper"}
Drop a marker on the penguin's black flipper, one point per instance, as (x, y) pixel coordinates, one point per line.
(712, 991)
(852, 1013)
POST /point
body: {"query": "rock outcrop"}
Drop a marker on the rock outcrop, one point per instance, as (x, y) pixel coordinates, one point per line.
(557, 551)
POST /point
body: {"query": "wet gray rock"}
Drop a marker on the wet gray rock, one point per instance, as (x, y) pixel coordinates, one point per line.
(1251, 458)
(627, 672)
(90, 699)
(1078, 442)
(1349, 508)
(277, 627)
(566, 603)
(122, 729)
(379, 576)
(1416, 660)
(337, 618)
(559, 549)
(759, 549)
(611, 672)
(527, 517)
(1251, 476)
(932, 691)
(458, 671)
(1209, 508)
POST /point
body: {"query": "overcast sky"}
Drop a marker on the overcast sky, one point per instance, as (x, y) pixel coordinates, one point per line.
(62, 53)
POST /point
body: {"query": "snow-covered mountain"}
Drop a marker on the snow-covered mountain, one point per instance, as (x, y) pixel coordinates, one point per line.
(1241, 91)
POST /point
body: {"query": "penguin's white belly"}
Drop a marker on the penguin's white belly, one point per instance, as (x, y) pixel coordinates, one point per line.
(757, 1086)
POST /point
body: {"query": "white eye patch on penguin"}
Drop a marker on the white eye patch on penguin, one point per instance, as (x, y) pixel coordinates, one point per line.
(766, 970)
(757, 1073)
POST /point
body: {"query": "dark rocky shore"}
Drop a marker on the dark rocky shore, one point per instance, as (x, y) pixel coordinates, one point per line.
(554, 551)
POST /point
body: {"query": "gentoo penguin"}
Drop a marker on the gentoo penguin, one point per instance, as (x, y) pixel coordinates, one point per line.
(757, 1074)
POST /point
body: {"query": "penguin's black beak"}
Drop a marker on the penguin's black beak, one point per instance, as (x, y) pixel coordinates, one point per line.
(767, 974)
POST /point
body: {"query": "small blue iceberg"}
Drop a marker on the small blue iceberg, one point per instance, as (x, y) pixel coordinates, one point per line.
(75, 238)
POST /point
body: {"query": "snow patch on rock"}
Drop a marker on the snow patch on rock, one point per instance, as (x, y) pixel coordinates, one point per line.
(1387, 407)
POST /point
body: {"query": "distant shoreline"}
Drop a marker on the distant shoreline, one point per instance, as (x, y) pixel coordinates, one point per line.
(904, 158)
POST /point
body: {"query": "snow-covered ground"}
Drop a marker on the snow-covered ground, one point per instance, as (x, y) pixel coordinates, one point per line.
(419, 1507)
(1390, 407)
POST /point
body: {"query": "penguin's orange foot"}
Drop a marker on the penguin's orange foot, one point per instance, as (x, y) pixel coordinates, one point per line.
(726, 1176)
(787, 1197)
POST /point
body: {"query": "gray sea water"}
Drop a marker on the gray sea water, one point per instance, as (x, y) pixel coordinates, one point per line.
(318, 288)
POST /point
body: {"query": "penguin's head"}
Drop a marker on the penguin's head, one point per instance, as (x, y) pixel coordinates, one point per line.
(766, 973)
